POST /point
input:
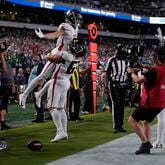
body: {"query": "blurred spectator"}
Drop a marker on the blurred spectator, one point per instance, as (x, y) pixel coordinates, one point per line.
(87, 88)
(107, 103)
(27, 72)
(3, 68)
(20, 80)
(7, 87)
(36, 70)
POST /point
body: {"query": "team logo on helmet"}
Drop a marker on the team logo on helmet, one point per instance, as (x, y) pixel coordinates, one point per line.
(73, 17)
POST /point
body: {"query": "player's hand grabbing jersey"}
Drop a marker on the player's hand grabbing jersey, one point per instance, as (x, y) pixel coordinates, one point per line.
(66, 68)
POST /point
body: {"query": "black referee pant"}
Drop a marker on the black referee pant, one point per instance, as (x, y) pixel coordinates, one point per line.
(74, 104)
(117, 94)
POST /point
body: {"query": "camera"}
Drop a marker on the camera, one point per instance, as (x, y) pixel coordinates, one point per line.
(121, 52)
(131, 53)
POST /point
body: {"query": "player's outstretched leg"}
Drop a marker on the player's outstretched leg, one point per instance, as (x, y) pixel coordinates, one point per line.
(38, 95)
(46, 72)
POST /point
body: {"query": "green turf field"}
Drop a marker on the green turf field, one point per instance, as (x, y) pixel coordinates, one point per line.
(94, 130)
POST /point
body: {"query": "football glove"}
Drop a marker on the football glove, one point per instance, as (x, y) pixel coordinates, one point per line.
(39, 33)
(159, 35)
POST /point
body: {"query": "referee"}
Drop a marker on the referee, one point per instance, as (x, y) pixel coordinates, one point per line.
(74, 96)
(117, 80)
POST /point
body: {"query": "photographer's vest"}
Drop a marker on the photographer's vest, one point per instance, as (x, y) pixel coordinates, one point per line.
(155, 97)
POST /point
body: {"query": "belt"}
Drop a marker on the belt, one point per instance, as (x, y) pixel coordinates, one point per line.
(118, 82)
(122, 84)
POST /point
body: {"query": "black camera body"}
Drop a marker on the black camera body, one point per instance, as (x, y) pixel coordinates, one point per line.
(131, 54)
(121, 52)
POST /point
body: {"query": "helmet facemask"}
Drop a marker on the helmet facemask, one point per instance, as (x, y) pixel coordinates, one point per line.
(74, 18)
(78, 48)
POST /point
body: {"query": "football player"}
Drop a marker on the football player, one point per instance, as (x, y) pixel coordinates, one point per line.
(60, 83)
(66, 33)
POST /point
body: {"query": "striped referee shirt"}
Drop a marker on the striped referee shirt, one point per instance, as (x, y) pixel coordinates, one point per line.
(117, 69)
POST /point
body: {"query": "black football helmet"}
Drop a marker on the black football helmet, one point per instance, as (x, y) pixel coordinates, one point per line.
(73, 17)
(78, 48)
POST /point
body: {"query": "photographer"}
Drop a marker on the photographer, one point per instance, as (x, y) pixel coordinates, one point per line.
(2, 59)
(3, 68)
(116, 75)
(151, 102)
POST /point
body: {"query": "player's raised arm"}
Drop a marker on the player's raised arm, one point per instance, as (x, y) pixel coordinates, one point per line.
(160, 36)
(51, 35)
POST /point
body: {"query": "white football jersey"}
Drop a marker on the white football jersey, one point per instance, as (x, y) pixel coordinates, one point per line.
(64, 40)
(64, 70)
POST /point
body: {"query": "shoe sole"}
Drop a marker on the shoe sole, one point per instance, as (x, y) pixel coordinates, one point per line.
(66, 138)
(142, 153)
(3, 148)
(158, 146)
(56, 141)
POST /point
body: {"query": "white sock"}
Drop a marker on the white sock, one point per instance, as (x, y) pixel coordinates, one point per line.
(44, 89)
(31, 85)
(63, 119)
(161, 126)
(56, 119)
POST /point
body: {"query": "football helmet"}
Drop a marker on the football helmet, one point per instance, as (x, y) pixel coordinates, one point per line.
(78, 48)
(73, 17)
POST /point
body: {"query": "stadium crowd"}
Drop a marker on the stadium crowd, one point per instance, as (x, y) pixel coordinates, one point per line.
(141, 7)
(23, 45)
(16, 13)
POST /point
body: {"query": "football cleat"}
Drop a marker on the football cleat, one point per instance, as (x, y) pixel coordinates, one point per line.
(158, 145)
(38, 99)
(61, 135)
(66, 138)
(22, 100)
(3, 145)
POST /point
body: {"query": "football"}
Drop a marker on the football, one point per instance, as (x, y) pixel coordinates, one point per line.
(34, 145)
